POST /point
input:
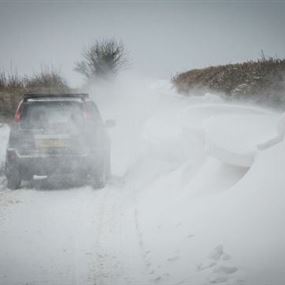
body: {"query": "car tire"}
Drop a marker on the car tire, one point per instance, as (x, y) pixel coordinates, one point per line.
(13, 178)
(108, 167)
(98, 183)
(99, 176)
(98, 179)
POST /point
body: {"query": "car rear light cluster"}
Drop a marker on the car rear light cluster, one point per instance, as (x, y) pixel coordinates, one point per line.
(19, 111)
(18, 117)
(87, 114)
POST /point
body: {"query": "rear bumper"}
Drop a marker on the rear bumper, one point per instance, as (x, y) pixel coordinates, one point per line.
(53, 165)
(56, 165)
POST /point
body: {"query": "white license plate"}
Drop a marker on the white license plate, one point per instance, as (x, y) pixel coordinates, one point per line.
(51, 143)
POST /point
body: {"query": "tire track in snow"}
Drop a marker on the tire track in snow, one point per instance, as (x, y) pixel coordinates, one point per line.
(50, 235)
(153, 276)
(118, 251)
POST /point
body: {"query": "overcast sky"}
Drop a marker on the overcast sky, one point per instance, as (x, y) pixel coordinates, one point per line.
(162, 37)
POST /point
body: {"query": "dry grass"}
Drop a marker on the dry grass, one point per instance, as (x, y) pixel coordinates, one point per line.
(263, 79)
(12, 87)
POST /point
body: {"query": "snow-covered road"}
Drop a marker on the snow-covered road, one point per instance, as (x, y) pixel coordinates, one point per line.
(74, 236)
(197, 197)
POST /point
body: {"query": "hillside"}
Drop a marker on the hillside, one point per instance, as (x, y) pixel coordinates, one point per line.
(262, 80)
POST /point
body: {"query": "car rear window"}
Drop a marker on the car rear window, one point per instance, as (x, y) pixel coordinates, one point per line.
(45, 115)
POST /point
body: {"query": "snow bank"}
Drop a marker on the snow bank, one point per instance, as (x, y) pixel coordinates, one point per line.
(234, 139)
(203, 216)
(233, 235)
(209, 201)
(219, 223)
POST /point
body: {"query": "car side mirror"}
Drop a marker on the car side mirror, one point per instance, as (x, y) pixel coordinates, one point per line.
(110, 124)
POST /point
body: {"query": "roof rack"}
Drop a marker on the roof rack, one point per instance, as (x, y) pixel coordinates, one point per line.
(82, 96)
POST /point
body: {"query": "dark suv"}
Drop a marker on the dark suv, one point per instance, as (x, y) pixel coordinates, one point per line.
(57, 135)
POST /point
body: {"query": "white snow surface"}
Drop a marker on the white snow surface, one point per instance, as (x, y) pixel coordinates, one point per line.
(197, 197)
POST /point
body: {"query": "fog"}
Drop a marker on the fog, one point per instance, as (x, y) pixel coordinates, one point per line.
(161, 37)
(196, 189)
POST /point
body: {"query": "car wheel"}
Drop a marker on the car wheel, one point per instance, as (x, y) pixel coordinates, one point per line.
(99, 178)
(13, 178)
(108, 167)
(98, 181)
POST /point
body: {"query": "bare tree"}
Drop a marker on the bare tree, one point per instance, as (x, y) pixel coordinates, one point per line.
(102, 60)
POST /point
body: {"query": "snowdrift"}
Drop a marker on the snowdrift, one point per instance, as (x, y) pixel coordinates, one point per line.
(207, 177)
(234, 139)
(209, 200)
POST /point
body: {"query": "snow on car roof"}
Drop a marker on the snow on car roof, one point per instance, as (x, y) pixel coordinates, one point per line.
(48, 97)
(30, 97)
(52, 99)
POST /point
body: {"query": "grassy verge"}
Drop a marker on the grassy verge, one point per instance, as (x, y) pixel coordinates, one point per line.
(12, 88)
(262, 80)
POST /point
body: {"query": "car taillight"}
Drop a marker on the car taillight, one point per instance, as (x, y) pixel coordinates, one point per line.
(88, 111)
(87, 115)
(18, 115)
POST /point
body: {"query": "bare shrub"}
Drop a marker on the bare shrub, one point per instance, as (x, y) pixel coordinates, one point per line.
(102, 60)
